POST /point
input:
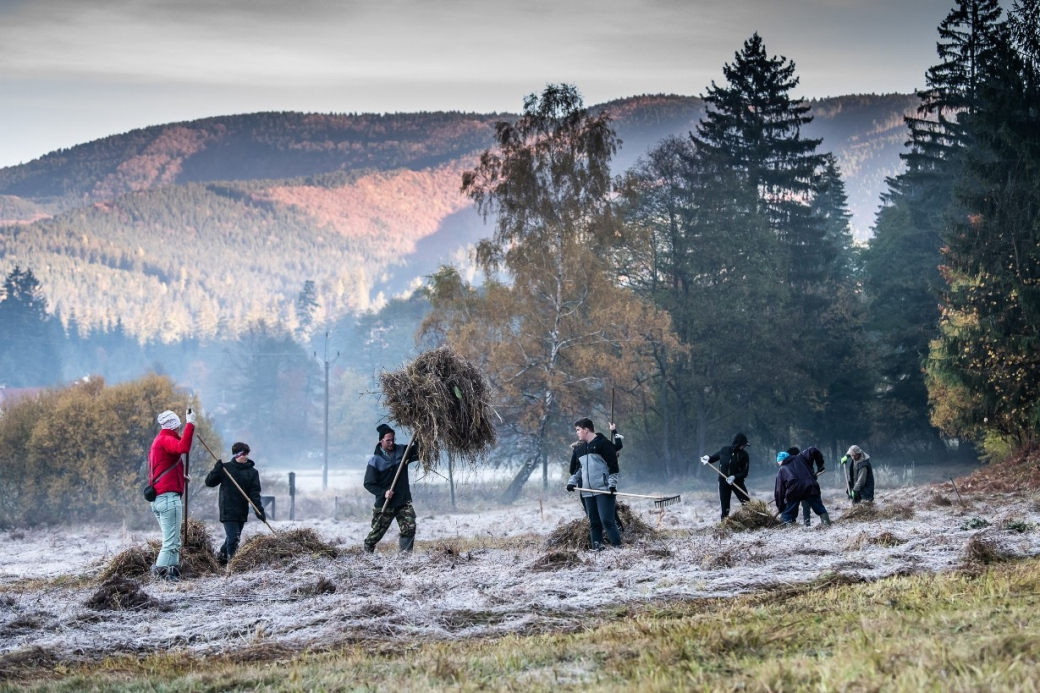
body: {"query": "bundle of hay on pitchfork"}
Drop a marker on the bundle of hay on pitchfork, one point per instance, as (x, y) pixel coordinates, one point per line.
(444, 400)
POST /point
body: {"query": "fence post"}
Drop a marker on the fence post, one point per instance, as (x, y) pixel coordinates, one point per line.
(292, 496)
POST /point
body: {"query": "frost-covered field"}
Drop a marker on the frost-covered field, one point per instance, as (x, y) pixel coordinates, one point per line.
(471, 575)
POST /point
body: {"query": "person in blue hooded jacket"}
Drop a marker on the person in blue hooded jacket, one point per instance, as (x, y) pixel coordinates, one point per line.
(796, 483)
(595, 461)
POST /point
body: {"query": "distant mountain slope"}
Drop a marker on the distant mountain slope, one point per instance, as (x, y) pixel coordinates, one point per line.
(186, 229)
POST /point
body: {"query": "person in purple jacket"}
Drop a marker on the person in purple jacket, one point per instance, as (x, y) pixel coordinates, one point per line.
(795, 483)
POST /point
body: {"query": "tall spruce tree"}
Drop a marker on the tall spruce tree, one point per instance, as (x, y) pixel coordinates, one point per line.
(28, 346)
(984, 367)
(902, 277)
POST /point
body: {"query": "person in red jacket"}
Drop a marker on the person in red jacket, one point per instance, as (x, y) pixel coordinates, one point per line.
(166, 470)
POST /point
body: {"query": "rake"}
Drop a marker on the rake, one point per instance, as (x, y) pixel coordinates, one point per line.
(659, 501)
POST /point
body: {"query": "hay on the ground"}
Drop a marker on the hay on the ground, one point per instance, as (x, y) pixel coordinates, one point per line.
(197, 557)
(556, 559)
(867, 512)
(754, 514)
(445, 401)
(983, 549)
(120, 594)
(278, 550)
(323, 586)
(575, 534)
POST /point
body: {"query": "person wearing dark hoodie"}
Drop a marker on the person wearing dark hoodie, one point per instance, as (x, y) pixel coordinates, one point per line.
(860, 475)
(594, 466)
(234, 508)
(795, 482)
(379, 481)
(819, 468)
(734, 464)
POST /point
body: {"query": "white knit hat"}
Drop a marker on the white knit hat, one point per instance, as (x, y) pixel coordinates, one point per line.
(169, 420)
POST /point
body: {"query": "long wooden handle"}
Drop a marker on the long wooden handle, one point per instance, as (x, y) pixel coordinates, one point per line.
(735, 487)
(619, 493)
(400, 465)
(244, 494)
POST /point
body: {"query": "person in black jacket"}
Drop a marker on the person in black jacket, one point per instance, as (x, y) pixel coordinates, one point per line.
(734, 463)
(379, 481)
(234, 508)
(817, 460)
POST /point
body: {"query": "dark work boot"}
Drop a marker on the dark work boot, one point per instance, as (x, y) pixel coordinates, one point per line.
(405, 544)
(370, 549)
(807, 522)
(159, 572)
(173, 573)
(825, 519)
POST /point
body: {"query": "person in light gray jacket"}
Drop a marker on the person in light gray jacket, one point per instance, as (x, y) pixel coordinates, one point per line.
(860, 475)
(596, 465)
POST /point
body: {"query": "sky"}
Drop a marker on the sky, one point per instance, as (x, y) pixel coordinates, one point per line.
(72, 71)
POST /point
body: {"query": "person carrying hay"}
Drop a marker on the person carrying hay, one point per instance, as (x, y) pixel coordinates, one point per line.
(796, 483)
(166, 472)
(596, 463)
(234, 507)
(735, 464)
(379, 481)
(860, 474)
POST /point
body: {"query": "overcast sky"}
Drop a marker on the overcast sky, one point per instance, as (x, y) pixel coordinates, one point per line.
(75, 70)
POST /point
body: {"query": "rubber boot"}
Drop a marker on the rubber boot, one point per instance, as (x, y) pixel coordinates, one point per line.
(159, 572)
(173, 573)
(807, 522)
(825, 519)
(405, 544)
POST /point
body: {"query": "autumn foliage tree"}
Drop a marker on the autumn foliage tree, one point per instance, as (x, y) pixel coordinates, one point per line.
(77, 454)
(551, 325)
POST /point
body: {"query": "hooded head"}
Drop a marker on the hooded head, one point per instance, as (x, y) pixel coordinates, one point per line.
(740, 441)
(169, 420)
(781, 456)
(855, 451)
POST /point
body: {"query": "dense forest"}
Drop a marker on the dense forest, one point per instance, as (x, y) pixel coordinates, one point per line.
(708, 282)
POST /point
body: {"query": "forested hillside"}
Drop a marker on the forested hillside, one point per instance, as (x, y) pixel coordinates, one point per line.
(186, 229)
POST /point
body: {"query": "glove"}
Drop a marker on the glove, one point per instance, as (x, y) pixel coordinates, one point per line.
(704, 460)
(189, 416)
(613, 490)
(217, 465)
(845, 459)
(730, 480)
(570, 488)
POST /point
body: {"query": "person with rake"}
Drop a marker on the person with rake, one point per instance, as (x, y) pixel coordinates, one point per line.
(859, 475)
(595, 460)
(734, 465)
(795, 483)
(166, 473)
(234, 501)
(816, 465)
(392, 492)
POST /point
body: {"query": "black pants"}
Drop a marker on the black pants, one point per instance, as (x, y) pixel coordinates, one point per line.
(232, 533)
(726, 491)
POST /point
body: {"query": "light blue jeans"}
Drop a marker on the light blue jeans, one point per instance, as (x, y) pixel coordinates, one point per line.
(169, 510)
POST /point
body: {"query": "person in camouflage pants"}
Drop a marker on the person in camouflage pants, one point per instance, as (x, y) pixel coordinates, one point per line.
(379, 480)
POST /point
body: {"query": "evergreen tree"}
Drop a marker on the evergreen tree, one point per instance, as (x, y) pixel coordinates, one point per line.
(306, 308)
(28, 349)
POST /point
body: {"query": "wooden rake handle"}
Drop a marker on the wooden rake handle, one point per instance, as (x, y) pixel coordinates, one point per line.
(244, 494)
(400, 465)
(735, 487)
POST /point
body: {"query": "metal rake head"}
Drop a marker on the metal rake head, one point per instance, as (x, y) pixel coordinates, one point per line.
(670, 500)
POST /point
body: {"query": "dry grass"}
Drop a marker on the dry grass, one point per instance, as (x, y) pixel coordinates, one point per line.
(1019, 474)
(983, 549)
(445, 400)
(752, 515)
(197, 557)
(279, 550)
(870, 512)
(120, 594)
(575, 534)
(886, 539)
(556, 559)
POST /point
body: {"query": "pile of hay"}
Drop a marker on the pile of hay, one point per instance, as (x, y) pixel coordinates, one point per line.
(445, 401)
(557, 559)
(120, 594)
(867, 512)
(323, 586)
(575, 534)
(278, 550)
(754, 514)
(197, 557)
(886, 539)
(982, 549)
